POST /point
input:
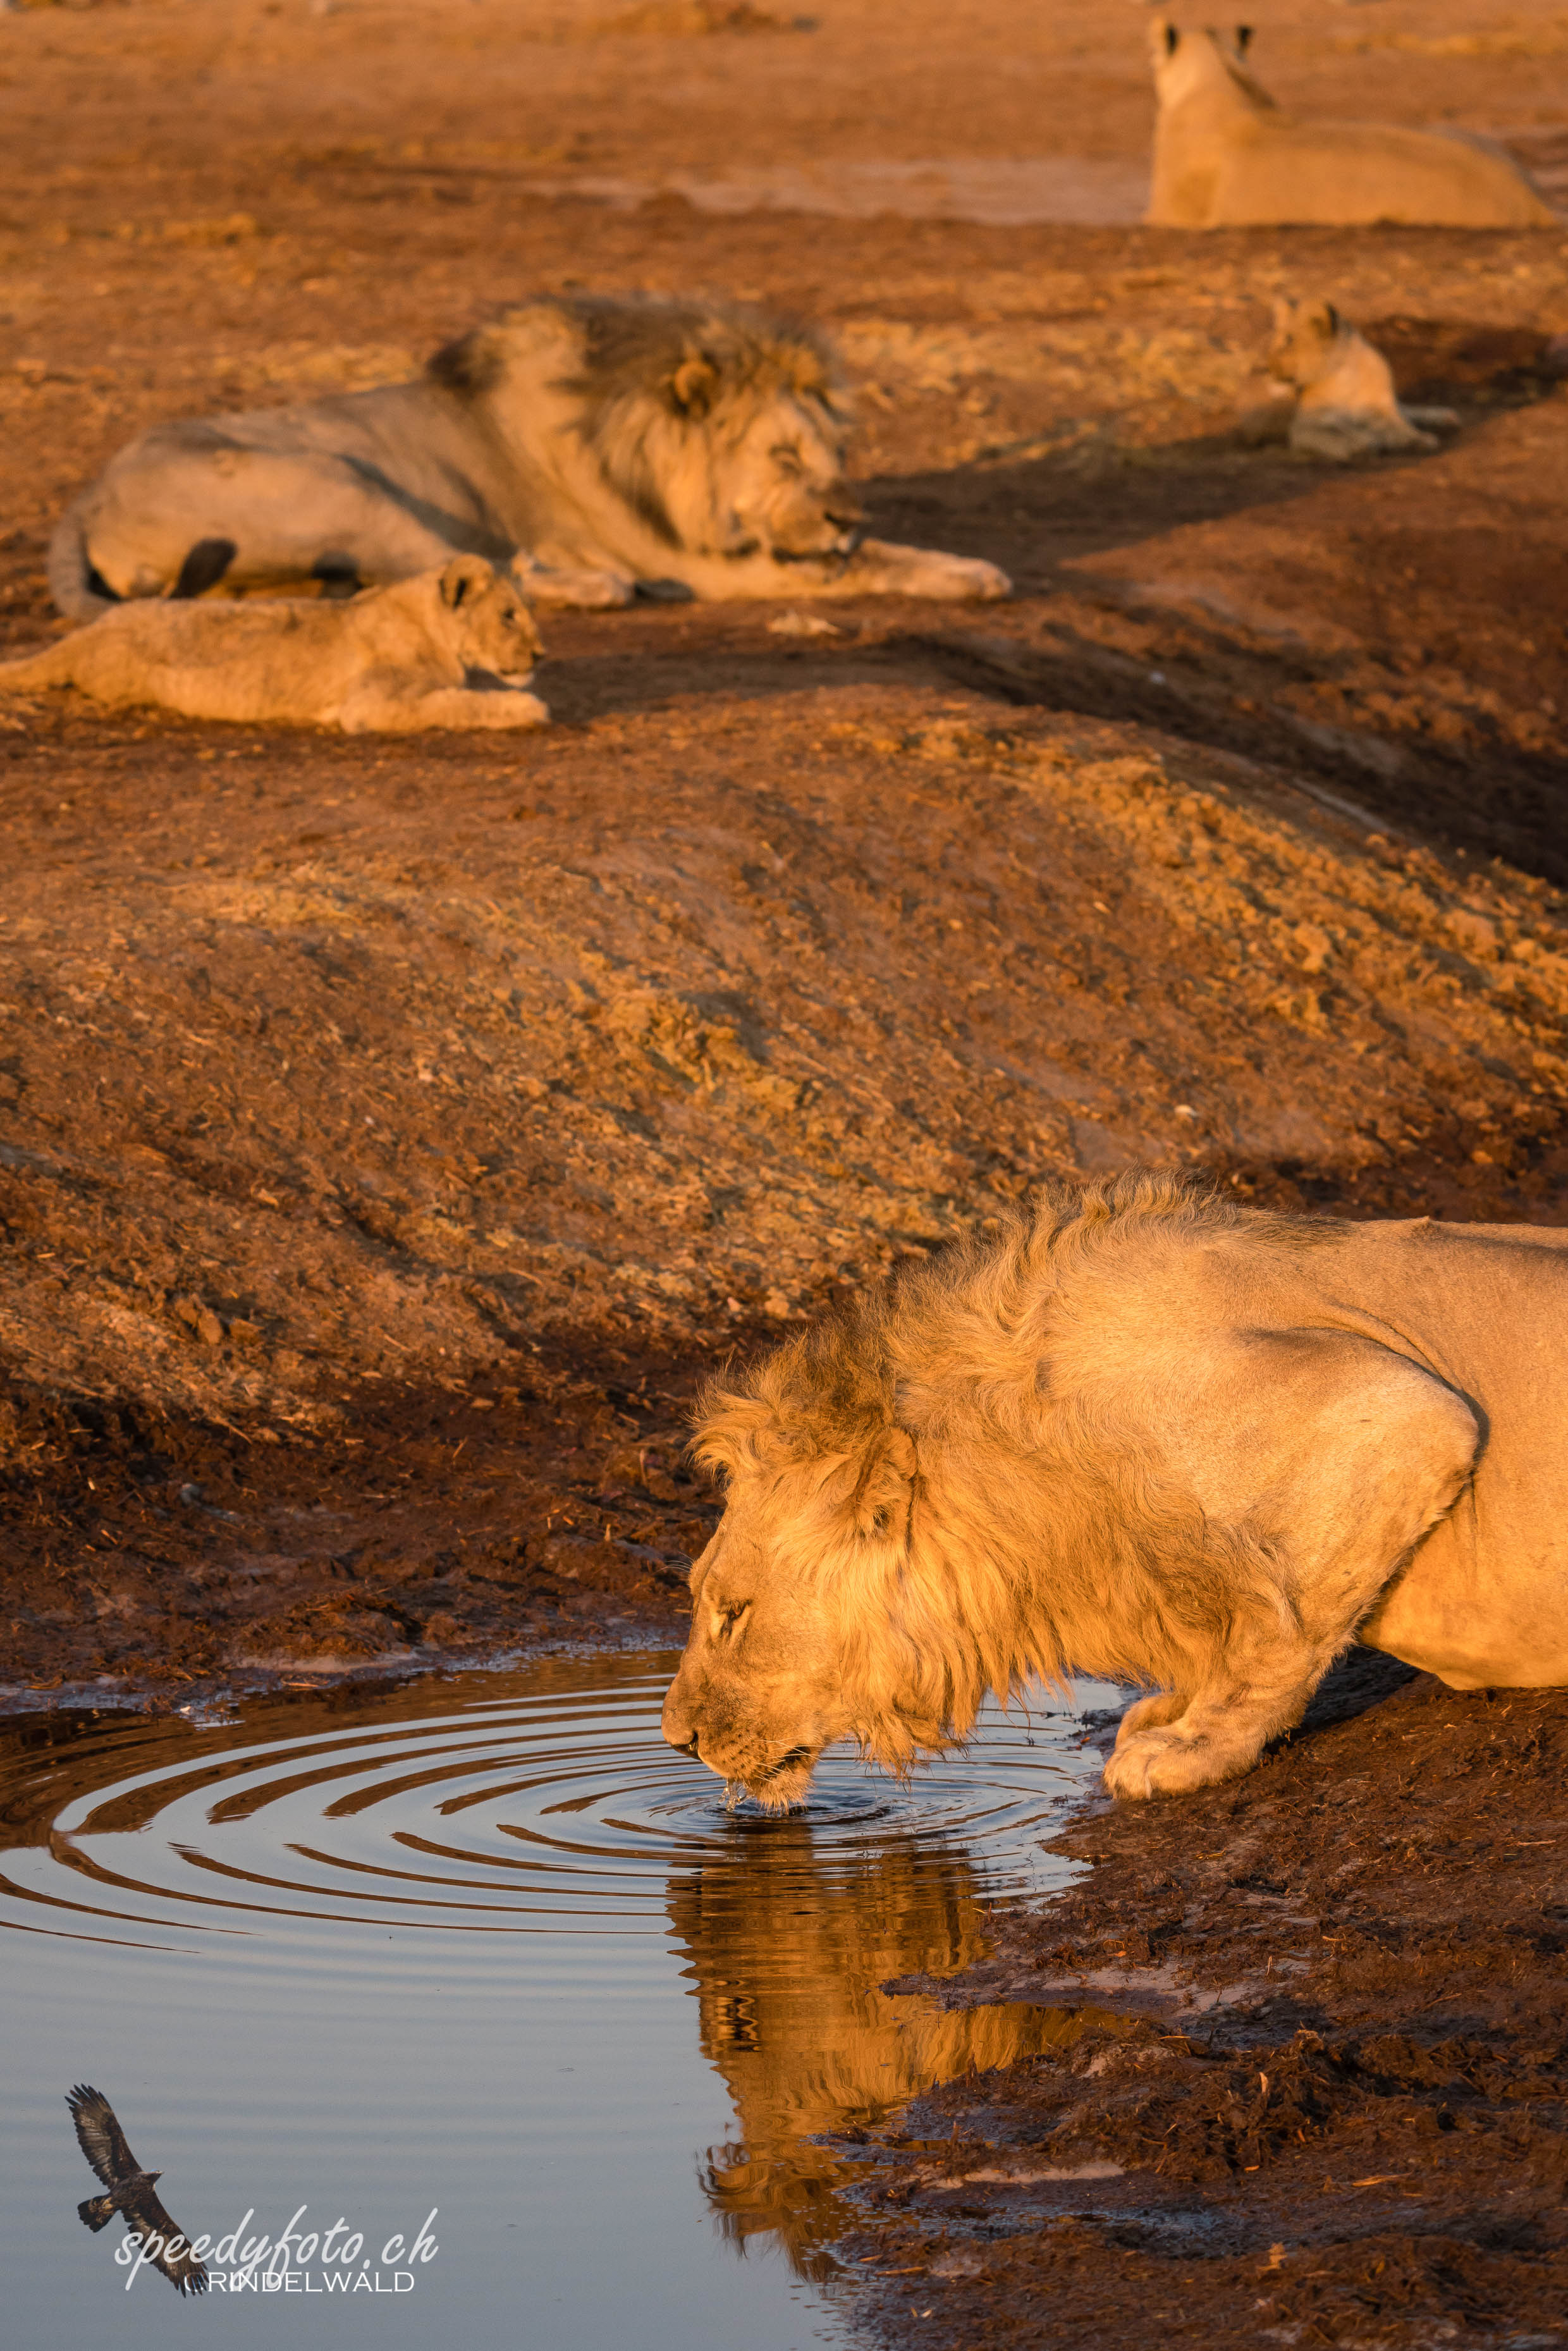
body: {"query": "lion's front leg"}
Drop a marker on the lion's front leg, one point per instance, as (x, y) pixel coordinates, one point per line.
(375, 709)
(879, 566)
(1169, 1744)
(1318, 1461)
(1149, 1713)
(563, 588)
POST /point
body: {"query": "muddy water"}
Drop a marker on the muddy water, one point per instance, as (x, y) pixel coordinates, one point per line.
(486, 1948)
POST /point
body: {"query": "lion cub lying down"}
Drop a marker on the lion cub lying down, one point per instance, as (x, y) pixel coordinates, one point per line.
(451, 648)
(1346, 406)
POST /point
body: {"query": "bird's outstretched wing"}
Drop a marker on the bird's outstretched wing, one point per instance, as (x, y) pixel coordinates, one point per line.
(100, 2136)
(145, 2214)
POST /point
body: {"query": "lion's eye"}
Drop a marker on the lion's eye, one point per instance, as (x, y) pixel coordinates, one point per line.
(787, 460)
(728, 1620)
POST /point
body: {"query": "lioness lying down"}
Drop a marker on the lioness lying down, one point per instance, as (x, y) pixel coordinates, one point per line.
(596, 444)
(1145, 1434)
(453, 648)
(1346, 406)
(1226, 157)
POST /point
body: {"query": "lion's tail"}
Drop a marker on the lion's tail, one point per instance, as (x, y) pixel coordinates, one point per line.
(75, 586)
(50, 665)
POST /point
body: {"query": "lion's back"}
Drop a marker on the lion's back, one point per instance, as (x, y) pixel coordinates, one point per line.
(386, 419)
(1339, 173)
(259, 658)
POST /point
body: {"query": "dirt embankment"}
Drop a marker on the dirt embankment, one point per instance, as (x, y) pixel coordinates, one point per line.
(338, 1117)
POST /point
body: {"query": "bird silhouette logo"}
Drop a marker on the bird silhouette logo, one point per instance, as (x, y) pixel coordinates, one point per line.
(131, 2191)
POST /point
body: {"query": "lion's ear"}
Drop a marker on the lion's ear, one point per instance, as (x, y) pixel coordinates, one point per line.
(811, 376)
(693, 385)
(885, 1486)
(465, 574)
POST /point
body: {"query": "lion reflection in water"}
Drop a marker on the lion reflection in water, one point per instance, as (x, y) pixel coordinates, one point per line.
(788, 1944)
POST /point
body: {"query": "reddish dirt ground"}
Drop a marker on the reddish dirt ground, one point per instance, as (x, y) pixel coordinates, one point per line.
(395, 1134)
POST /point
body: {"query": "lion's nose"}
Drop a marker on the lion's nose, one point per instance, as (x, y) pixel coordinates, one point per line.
(677, 1725)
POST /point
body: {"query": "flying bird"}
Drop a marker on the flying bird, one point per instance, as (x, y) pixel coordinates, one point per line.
(131, 2191)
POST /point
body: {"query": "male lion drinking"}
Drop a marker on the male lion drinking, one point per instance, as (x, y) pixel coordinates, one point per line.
(1145, 1434)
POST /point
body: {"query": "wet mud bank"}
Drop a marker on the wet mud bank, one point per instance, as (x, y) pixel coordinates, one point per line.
(1330, 2101)
(154, 1560)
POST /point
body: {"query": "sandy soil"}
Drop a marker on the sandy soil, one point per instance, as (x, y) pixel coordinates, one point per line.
(395, 1132)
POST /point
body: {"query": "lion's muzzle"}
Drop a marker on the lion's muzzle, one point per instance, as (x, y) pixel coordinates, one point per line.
(816, 527)
(676, 1723)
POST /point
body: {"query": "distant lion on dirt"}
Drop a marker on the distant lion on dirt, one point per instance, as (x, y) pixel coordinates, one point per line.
(451, 648)
(1226, 156)
(598, 445)
(1147, 1434)
(1347, 406)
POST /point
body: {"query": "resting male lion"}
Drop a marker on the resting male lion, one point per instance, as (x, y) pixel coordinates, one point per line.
(600, 444)
(1146, 1434)
(453, 648)
(1226, 157)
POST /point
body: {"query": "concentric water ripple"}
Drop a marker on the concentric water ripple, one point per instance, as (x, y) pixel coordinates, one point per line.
(487, 1945)
(540, 1802)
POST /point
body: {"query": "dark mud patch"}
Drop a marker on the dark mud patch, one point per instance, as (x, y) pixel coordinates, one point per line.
(1339, 2112)
(153, 1558)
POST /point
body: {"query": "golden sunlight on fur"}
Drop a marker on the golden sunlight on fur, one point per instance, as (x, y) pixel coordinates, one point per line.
(1346, 406)
(1143, 1434)
(595, 444)
(451, 648)
(1226, 156)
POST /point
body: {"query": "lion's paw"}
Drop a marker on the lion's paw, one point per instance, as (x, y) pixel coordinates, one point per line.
(1149, 1713)
(879, 568)
(1161, 1762)
(965, 578)
(552, 588)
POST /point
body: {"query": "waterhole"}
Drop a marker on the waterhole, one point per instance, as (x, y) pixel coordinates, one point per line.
(486, 1950)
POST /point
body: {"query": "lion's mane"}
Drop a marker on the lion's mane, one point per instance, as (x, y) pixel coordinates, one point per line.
(654, 380)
